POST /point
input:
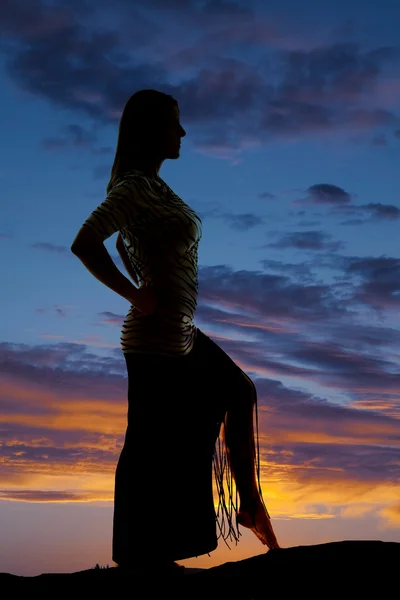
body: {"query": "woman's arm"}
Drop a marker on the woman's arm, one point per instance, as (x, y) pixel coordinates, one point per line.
(124, 257)
(88, 246)
(91, 251)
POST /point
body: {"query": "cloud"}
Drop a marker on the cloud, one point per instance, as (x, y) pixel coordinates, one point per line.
(231, 105)
(353, 222)
(335, 365)
(298, 270)
(261, 294)
(49, 247)
(59, 311)
(64, 408)
(267, 195)
(327, 193)
(380, 281)
(322, 462)
(39, 363)
(46, 496)
(340, 201)
(243, 222)
(368, 281)
(111, 318)
(33, 19)
(237, 222)
(382, 211)
(309, 441)
(76, 136)
(342, 71)
(306, 240)
(392, 514)
(63, 415)
(287, 316)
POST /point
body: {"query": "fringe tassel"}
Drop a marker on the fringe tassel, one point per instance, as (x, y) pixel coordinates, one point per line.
(226, 488)
(226, 505)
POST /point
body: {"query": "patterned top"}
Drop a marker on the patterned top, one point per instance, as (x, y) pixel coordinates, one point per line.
(161, 234)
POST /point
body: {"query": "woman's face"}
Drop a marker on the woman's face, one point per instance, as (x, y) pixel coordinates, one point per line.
(172, 134)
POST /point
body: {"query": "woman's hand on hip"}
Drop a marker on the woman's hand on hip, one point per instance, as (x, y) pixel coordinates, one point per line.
(145, 300)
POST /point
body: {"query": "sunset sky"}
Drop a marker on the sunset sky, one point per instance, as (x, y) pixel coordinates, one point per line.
(291, 160)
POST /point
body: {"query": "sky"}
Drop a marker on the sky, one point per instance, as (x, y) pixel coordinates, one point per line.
(291, 160)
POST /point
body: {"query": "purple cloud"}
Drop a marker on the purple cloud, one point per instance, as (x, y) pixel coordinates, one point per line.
(263, 294)
(306, 240)
(326, 193)
(267, 195)
(60, 312)
(36, 449)
(112, 318)
(243, 222)
(382, 211)
(329, 88)
(380, 281)
(72, 361)
(324, 462)
(340, 201)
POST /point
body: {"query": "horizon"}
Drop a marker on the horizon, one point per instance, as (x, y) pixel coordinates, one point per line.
(290, 159)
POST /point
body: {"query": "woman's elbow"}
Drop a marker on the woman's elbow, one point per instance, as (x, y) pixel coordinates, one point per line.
(86, 239)
(75, 249)
(77, 246)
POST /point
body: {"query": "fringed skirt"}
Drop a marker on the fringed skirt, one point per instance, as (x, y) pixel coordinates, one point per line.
(164, 500)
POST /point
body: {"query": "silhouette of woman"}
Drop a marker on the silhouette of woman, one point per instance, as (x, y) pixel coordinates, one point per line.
(190, 406)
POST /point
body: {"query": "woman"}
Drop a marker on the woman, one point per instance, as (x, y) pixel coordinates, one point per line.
(183, 389)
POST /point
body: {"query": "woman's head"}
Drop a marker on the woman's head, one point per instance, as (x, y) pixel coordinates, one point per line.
(149, 130)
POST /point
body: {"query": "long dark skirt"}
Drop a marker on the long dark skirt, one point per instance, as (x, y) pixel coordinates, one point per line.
(164, 500)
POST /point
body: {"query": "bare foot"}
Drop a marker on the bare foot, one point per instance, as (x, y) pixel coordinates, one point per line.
(254, 517)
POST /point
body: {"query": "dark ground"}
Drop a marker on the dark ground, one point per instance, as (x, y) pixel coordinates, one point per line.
(348, 569)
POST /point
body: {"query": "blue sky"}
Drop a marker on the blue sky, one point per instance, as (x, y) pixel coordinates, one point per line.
(290, 159)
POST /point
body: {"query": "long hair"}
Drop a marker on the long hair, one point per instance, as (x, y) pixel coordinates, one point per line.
(139, 130)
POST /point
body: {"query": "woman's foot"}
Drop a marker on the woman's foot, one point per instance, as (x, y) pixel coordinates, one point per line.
(254, 516)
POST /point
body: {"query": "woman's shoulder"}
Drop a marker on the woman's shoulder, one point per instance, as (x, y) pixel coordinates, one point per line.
(135, 181)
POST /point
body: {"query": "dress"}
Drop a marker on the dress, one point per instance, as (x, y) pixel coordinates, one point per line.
(180, 385)
(164, 480)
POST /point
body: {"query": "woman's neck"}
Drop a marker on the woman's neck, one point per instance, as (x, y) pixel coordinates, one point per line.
(148, 168)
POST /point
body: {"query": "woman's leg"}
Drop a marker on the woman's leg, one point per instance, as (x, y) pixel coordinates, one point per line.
(239, 438)
(235, 396)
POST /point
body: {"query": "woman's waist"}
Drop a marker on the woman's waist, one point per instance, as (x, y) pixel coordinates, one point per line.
(165, 313)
